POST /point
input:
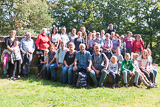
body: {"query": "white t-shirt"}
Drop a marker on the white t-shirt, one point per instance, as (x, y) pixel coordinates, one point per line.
(143, 61)
(54, 38)
(64, 38)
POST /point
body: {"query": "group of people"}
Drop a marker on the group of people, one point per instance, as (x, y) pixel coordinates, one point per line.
(98, 55)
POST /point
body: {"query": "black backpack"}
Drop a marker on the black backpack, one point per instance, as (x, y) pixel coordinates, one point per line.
(82, 80)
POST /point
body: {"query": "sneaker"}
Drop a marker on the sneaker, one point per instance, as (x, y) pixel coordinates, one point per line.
(19, 77)
(118, 86)
(113, 86)
(134, 84)
(155, 86)
(12, 78)
(126, 85)
(150, 86)
(7, 76)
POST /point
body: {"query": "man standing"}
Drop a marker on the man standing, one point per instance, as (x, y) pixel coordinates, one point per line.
(27, 48)
(111, 29)
(99, 66)
(83, 58)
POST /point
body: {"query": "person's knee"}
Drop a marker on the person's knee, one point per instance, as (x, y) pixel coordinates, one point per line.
(92, 72)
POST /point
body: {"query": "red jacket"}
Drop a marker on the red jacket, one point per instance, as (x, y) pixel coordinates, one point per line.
(42, 42)
(141, 46)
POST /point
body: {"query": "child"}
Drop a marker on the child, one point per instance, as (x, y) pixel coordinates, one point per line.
(127, 68)
(150, 65)
(113, 71)
(142, 77)
(42, 63)
(119, 57)
(16, 59)
(143, 65)
(90, 43)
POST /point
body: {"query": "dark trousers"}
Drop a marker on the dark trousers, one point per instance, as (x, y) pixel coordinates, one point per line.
(150, 76)
(75, 75)
(115, 77)
(40, 67)
(108, 54)
(16, 62)
(10, 68)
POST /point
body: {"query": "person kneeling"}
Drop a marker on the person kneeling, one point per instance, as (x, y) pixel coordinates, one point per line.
(127, 67)
(99, 69)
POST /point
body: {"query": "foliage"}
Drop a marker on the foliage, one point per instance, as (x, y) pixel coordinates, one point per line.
(24, 14)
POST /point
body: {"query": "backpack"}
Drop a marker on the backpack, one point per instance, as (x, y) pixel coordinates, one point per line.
(82, 80)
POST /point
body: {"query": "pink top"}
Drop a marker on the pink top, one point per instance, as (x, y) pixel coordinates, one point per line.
(129, 42)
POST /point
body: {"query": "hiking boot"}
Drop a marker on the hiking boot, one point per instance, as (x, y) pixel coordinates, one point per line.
(126, 85)
(134, 84)
(118, 86)
(12, 78)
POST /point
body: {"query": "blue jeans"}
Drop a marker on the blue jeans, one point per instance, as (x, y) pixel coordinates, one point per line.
(115, 77)
(129, 50)
(65, 72)
(155, 74)
(102, 78)
(26, 65)
(53, 67)
(46, 71)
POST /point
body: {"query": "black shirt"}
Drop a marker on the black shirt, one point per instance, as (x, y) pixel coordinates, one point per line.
(51, 56)
(9, 42)
(109, 31)
(69, 58)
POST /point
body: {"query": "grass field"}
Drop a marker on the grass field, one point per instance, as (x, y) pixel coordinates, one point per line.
(31, 92)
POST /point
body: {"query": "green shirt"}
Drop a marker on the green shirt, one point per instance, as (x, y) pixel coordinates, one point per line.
(127, 66)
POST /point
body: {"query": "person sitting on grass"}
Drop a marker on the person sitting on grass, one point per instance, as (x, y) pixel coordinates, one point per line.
(49, 61)
(127, 68)
(142, 77)
(16, 59)
(113, 71)
(84, 60)
(69, 64)
(99, 66)
(60, 54)
(42, 63)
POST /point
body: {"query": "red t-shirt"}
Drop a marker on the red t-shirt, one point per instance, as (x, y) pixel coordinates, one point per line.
(138, 46)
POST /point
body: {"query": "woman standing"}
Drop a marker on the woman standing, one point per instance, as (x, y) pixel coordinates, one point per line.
(9, 42)
(129, 41)
(54, 37)
(138, 45)
(116, 43)
(42, 43)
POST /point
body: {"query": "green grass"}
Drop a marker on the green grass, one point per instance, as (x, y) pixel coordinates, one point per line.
(33, 92)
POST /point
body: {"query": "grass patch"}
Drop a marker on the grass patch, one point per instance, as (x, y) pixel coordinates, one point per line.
(31, 92)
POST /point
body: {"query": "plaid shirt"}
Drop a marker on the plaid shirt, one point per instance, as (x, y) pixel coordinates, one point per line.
(16, 55)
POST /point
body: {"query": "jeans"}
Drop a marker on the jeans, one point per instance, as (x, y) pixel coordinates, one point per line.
(26, 65)
(155, 74)
(94, 77)
(46, 71)
(129, 50)
(53, 67)
(150, 76)
(6, 68)
(125, 73)
(115, 77)
(65, 72)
